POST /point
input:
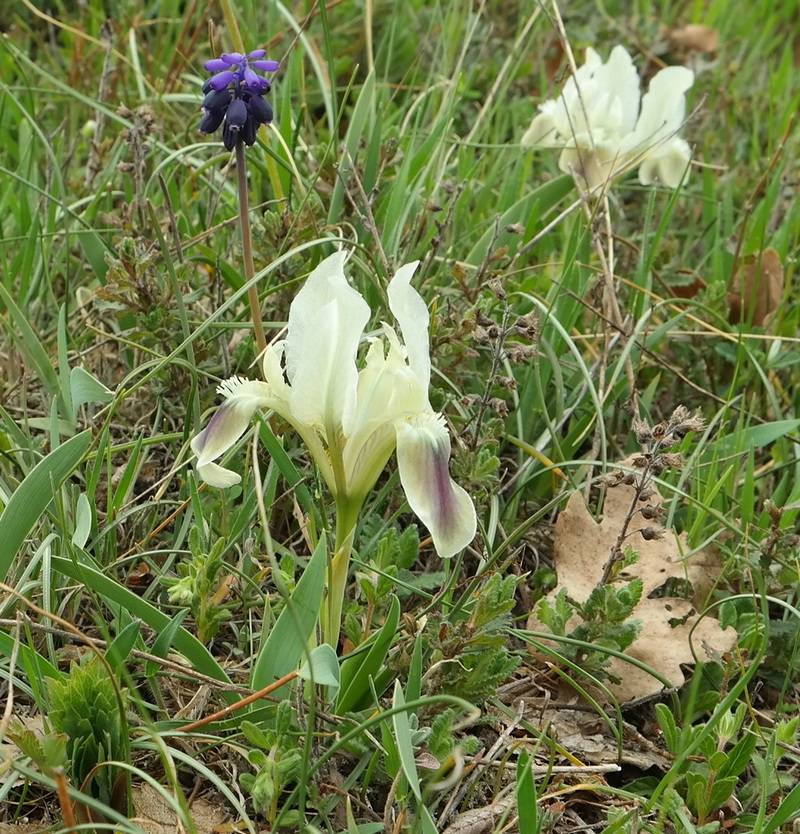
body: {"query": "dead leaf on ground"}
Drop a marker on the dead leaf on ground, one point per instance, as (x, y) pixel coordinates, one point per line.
(759, 289)
(580, 549)
(582, 732)
(154, 814)
(693, 38)
(478, 820)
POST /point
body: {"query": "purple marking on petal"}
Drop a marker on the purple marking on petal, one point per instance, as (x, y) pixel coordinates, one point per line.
(266, 66)
(221, 81)
(257, 53)
(216, 65)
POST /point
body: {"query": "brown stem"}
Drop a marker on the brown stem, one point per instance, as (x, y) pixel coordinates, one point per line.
(224, 713)
(247, 247)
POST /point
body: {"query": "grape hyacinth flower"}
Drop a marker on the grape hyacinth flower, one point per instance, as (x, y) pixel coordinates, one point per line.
(605, 126)
(234, 96)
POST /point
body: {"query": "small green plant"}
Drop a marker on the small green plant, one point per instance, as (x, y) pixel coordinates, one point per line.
(88, 708)
(279, 761)
(709, 784)
(200, 584)
(604, 621)
(469, 655)
(392, 557)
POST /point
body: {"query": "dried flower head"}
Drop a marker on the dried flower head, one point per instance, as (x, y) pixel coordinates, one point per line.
(234, 96)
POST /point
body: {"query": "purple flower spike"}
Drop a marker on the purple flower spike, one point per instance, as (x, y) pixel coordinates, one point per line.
(234, 96)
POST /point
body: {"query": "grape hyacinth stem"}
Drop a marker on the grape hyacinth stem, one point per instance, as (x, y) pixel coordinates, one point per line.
(247, 248)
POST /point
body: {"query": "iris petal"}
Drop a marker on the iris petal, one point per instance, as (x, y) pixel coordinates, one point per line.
(326, 320)
(412, 315)
(242, 399)
(605, 127)
(423, 452)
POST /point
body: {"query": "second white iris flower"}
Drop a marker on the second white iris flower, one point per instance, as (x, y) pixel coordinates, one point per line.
(598, 123)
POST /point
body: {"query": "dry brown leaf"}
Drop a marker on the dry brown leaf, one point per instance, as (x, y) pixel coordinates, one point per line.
(580, 549)
(693, 38)
(582, 733)
(759, 289)
(478, 820)
(154, 814)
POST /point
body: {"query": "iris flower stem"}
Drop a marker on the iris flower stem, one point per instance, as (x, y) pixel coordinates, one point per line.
(338, 567)
(247, 247)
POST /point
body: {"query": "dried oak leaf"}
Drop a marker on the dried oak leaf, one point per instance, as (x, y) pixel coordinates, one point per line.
(580, 549)
(759, 289)
(693, 38)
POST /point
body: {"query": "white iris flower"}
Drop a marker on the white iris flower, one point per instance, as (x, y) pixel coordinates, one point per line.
(352, 420)
(598, 122)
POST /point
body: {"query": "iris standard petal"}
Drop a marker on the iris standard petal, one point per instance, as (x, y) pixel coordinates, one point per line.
(663, 111)
(620, 80)
(423, 453)
(412, 315)
(326, 320)
(243, 397)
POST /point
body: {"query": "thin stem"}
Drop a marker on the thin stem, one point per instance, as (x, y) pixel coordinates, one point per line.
(247, 247)
(346, 518)
(233, 24)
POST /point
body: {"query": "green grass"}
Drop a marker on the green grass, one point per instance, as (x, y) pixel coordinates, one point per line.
(123, 302)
